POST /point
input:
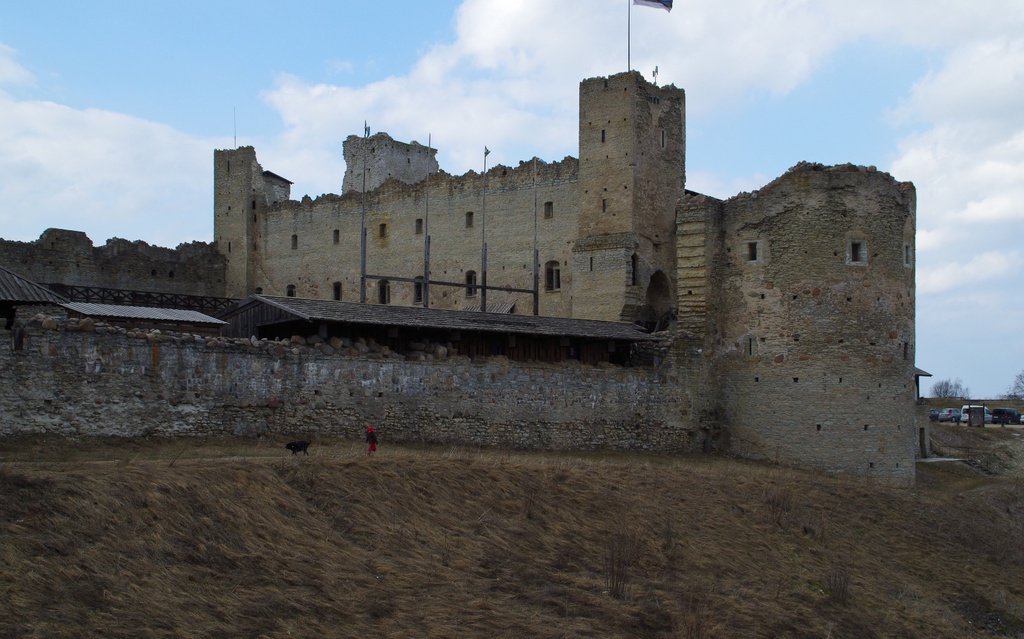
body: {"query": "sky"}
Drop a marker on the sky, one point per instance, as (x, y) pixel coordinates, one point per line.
(110, 111)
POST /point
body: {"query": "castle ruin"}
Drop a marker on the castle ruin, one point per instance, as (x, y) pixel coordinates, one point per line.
(788, 312)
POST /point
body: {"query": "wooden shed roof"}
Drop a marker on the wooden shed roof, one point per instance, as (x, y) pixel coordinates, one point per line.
(15, 288)
(414, 316)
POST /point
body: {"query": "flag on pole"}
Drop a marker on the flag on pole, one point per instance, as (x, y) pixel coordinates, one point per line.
(657, 4)
(486, 151)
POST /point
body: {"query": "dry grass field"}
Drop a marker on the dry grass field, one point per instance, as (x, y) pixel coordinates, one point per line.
(238, 538)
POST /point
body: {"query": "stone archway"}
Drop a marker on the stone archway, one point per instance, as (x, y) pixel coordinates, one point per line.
(658, 299)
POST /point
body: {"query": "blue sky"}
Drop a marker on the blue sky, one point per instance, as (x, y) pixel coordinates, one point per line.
(110, 111)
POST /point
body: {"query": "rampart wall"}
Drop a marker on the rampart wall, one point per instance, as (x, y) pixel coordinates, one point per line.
(81, 379)
(69, 257)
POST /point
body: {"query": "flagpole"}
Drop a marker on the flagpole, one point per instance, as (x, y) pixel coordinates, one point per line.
(629, 31)
(483, 241)
(425, 292)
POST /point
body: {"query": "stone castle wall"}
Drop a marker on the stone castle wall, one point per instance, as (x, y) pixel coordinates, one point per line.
(813, 347)
(80, 379)
(313, 244)
(69, 257)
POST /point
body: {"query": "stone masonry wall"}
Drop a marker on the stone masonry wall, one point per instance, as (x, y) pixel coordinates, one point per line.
(85, 379)
(812, 323)
(69, 257)
(314, 244)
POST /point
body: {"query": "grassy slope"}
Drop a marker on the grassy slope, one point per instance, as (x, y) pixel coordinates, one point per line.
(231, 539)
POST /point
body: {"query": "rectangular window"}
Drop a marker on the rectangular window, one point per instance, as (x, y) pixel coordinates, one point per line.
(908, 257)
(383, 231)
(419, 226)
(549, 210)
(552, 276)
(337, 236)
(469, 219)
(295, 241)
(858, 252)
(602, 135)
(752, 251)
(604, 205)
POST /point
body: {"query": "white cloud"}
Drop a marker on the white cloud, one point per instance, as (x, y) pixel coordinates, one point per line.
(12, 73)
(62, 166)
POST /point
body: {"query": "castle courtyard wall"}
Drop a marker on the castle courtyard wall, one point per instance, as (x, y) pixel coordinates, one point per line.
(82, 380)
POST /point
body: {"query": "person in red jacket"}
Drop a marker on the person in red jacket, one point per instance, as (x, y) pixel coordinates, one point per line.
(371, 440)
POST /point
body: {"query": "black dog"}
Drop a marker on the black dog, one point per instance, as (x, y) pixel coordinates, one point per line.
(296, 447)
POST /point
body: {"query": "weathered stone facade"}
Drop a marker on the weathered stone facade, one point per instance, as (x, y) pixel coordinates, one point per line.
(810, 317)
(791, 309)
(80, 379)
(69, 257)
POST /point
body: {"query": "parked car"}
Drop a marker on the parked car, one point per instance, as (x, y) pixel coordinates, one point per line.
(949, 415)
(1005, 416)
(965, 407)
(933, 415)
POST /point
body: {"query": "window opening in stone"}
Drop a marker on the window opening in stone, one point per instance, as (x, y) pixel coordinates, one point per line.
(906, 254)
(337, 290)
(819, 428)
(229, 247)
(604, 205)
(471, 284)
(383, 230)
(549, 210)
(858, 252)
(290, 291)
(632, 269)
(602, 135)
(552, 276)
(419, 226)
(295, 241)
(663, 138)
(337, 236)
(258, 290)
(384, 292)
(417, 290)
(469, 219)
(752, 251)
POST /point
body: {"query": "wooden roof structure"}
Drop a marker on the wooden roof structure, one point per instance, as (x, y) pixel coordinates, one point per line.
(334, 311)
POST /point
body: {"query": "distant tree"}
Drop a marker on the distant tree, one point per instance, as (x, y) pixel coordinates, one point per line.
(1017, 387)
(950, 388)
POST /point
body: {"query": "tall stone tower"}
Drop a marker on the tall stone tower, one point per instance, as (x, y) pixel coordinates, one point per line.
(384, 158)
(239, 199)
(632, 173)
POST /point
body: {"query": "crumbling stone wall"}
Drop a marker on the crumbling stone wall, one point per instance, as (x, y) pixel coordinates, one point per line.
(811, 319)
(85, 379)
(69, 257)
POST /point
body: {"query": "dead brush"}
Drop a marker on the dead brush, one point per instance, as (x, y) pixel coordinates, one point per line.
(779, 503)
(837, 585)
(620, 553)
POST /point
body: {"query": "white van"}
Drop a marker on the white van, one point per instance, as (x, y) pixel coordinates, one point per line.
(965, 415)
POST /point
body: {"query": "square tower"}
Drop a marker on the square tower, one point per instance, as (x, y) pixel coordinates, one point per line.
(632, 173)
